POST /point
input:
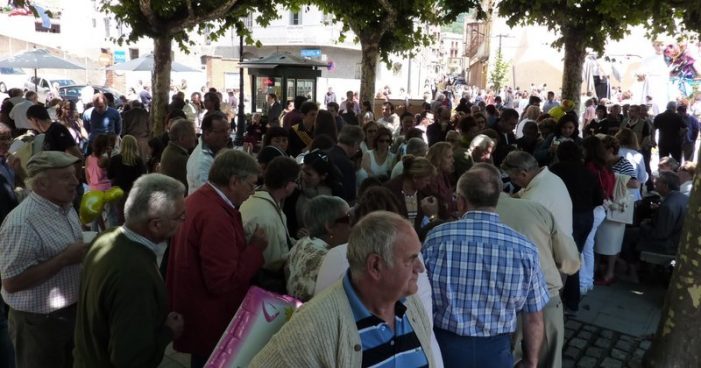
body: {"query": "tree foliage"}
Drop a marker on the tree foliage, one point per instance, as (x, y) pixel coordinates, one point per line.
(166, 21)
(580, 24)
(499, 74)
(384, 27)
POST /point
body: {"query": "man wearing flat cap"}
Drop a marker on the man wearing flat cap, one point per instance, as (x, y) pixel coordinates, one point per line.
(42, 248)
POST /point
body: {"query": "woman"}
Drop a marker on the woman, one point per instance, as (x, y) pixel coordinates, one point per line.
(443, 184)
(274, 144)
(586, 194)
(531, 138)
(532, 113)
(318, 177)
(479, 150)
(325, 124)
(124, 168)
(565, 130)
(254, 132)
(408, 188)
(96, 175)
(367, 114)
(370, 130)
(328, 222)
(630, 151)
(480, 120)
(68, 116)
(379, 161)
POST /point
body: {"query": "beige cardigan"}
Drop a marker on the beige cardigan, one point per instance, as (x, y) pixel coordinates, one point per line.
(323, 334)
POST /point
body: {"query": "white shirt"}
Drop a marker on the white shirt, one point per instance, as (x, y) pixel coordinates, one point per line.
(198, 165)
(19, 114)
(549, 190)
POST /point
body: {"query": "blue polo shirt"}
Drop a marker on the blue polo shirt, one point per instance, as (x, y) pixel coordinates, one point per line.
(382, 347)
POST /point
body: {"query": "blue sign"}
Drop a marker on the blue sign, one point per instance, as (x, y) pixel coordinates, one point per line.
(120, 56)
(310, 53)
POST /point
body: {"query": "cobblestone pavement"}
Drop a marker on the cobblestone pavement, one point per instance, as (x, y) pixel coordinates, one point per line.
(589, 346)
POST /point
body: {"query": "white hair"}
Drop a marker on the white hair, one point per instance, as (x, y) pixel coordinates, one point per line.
(374, 234)
(152, 196)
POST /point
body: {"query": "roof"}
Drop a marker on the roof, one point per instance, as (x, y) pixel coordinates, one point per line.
(280, 59)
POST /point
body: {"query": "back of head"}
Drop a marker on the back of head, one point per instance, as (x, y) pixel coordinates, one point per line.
(281, 171)
(325, 124)
(231, 163)
(627, 138)
(438, 152)
(209, 119)
(507, 114)
(417, 147)
(481, 185)
(14, 92)
(38, 112)
(152, 196)
(568, 151)
(376, 198)
(179, 128)
(519, 161)
(298, 101)
(350, 135)
(417, 167)
(308, 106)
(374, 234)
(670, 178)
(321, 211)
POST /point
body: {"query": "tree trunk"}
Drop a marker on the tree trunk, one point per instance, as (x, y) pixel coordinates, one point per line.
(160, 82)
(370, 56)
(677, 340)
(575, 52)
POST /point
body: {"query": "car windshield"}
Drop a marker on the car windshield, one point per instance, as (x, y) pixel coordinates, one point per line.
(63, 82)
(11, 71)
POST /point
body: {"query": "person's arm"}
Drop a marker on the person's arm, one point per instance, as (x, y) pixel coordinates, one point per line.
(664, 223)
(533, 334)
(38, 273)
(565, 250)
(633, 183)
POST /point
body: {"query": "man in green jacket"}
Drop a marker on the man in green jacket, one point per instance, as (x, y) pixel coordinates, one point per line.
(122, 318)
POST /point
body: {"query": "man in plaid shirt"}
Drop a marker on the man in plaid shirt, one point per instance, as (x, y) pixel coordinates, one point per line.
(483, 273)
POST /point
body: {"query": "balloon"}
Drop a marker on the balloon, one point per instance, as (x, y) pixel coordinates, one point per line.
(91, 206)
(556, 112)
(113, 194)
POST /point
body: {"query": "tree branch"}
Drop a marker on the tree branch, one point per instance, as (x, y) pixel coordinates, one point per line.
(192, 20)
(145, 7)
(391, 13)
(190, 11)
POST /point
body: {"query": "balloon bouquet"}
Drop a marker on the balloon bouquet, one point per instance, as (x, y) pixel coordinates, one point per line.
(93, 203)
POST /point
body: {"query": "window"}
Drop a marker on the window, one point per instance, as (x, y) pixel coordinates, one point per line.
(133, 53)
(107, 27)
(295, 18)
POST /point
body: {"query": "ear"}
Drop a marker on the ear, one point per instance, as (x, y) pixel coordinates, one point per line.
(374, 266)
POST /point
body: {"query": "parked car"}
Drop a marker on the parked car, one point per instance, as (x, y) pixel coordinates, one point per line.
(43, 85)
(75, 93)
(11, 78)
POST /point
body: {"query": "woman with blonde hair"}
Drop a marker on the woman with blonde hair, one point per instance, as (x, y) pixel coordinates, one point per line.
(124, 168)
(443, 183)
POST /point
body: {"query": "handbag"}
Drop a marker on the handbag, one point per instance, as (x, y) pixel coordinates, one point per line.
(620, 211)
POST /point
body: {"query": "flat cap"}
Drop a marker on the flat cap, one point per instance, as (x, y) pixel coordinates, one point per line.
(46, 160)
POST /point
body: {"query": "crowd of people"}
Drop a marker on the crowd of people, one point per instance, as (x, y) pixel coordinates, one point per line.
(456, 235)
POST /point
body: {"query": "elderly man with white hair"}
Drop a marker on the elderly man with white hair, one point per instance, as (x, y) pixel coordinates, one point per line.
(123, 318)
(369, 317)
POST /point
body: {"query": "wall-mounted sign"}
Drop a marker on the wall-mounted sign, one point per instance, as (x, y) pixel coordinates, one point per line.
(310, 53)
(120, 56)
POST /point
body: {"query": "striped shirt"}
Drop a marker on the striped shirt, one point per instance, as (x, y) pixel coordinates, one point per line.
(623, 166)
(34, 232)
(382, 347)
(482, 274)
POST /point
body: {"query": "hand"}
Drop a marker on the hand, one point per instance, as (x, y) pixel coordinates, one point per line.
(259, 239)
(175, 322)
(74, 253)
(429, 206)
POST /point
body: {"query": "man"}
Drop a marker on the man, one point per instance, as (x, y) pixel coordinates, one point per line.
(468, 261)
(174, 158)
(302, 134)
(350, 104)
(437, 131)
(211, 264)
(638, 125)
(340, 155)
(369, 318)
(550, 102)
(540, 185)
(691, 133)
(136, 124)
(101, 119)
(123, 318)
(145, 97)
(14, 97)
(194, 111)
(349, 116)
(295, 116)
(41, 243)
(671, 127)
(558, 254)
(333, 108)
(612, 122)
(56, 135)
(274, 110)
(215, 136)
(389, 118)
(263, 210)
(506, 139)
(18, 114)
(330, 96)
(663, 233)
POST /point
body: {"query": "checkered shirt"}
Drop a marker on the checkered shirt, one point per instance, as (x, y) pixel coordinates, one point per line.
(34, 232)
(482, 274)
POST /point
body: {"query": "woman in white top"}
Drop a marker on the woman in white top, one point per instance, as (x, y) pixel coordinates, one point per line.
(370, 131)
(380, 161)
